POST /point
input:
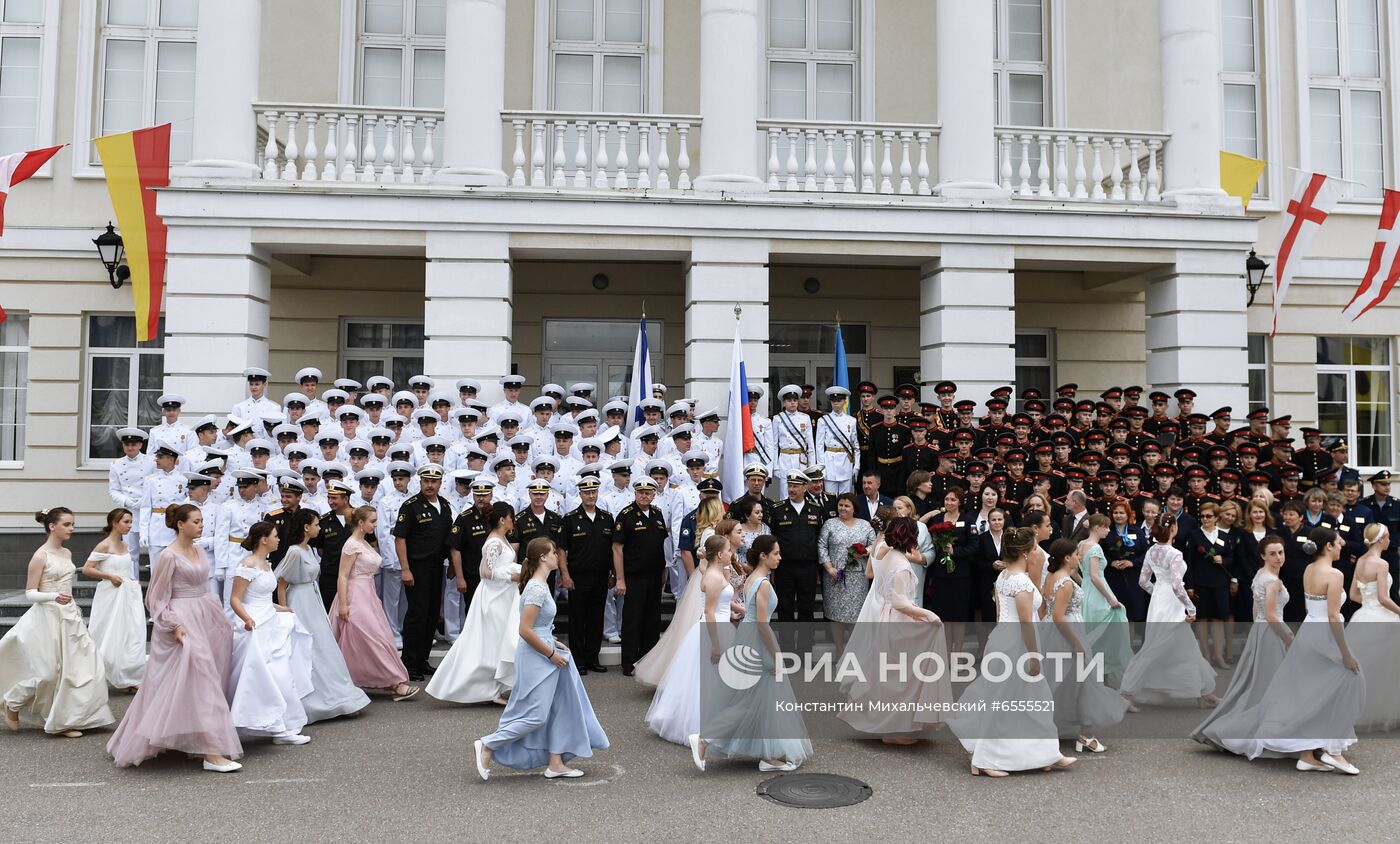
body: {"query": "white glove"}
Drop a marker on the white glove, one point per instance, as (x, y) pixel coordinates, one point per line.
(34, 596)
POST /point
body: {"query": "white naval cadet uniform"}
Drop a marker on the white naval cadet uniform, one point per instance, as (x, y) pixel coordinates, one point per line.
(250, 408)
(494, 411)
(712, 448)
(838, 450)
(386, 580)
(159, 492)
(125, 482)
(792, 443)
(175, 433)
(236, 516)
(763, 452)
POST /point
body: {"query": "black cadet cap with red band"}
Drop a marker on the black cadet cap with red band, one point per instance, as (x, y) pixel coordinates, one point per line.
(867, 388)
(888, 401)
(945, 387)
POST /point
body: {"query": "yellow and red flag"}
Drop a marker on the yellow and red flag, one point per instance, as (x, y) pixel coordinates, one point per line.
(135, 163)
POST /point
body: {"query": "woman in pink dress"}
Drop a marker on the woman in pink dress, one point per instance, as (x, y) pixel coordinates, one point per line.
(181, 704)
(357, 618)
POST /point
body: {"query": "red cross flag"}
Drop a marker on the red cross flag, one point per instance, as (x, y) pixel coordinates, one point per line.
(18, 166)
(1384, 269)
(1314, 197)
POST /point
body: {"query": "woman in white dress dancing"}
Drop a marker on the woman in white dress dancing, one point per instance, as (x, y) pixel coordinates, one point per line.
(1005, 741)
(1311, 708)
(118, 620)
(50, 672)
(481, 664)
(1373, 633)
(1264, 650)
(675, 709)
(1170, 664)
(271, 667)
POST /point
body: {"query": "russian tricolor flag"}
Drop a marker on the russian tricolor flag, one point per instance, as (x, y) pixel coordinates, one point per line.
(738, 433)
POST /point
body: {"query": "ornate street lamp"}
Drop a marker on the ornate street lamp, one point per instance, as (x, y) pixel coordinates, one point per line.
(111, 250)
(1254, 269)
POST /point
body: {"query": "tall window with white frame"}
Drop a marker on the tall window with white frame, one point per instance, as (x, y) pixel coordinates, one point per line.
(1346, 92)
(124, 378)
(21, 47)
(1021, 67)
(402, 46)
(14, 385)
(1354, 396)
(1035, 361)
(813, 60)
(147, 61)
(598, 55)
(377, 346)
(1258, 357)
(1241, 80)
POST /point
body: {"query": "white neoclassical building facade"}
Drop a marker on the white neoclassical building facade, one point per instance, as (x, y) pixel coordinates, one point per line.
(1000, 191)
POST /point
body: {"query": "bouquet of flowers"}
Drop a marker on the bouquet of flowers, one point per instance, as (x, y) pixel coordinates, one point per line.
(854, 557)
(942, 535)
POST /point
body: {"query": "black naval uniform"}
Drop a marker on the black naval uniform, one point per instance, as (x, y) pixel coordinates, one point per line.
(588, 544)
(329, 543)
(425, 530)
(887, 444)
(467, 537)
(642, 537)
(796, 579)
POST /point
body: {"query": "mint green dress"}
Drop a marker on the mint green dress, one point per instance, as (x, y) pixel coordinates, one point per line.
(1105, 628)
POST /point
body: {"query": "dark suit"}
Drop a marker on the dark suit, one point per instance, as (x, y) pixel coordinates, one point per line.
(984, 576)
(863, 506)
(1124, 582)
(329, 542)
(1067, 524)
(1209, 568)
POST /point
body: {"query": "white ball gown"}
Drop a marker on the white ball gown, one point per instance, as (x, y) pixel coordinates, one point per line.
(1373, 635)
(481, 663)
(910, 706)
(690, 606)
(333, 693)
(1170, 664)
(118, 622)
(1313, 702)
(271, 667)
(50, 671)
(1263, 654)
(1000, 740)
(1081, 706)
(675, 708)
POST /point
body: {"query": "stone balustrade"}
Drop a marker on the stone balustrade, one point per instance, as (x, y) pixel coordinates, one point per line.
(1081, 164)
(830, 157)
(600, 151)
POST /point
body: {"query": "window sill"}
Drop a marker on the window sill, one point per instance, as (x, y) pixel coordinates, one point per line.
(95, 467)
(11, 464)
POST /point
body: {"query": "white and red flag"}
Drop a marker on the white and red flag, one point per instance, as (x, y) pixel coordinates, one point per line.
(18, 166)
(1384, 269)
(1314, 197)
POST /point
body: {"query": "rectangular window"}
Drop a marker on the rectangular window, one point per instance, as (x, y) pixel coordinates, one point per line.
(402, 50)
(1035, 361)
(599, 352)
(14, 384)
(1346, 84)
(1258, 350)
(1241, 81)
(1021, 71)
(19, 80)
(124, 379)
(147, 69)
(813, 60)
(381, 347)
(804, 353)
(1354, 396)
(598, 56)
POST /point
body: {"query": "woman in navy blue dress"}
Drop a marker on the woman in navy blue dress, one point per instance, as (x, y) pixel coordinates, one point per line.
(549, 719)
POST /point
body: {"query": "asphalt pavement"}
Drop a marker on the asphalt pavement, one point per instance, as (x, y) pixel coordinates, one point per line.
(404, 771)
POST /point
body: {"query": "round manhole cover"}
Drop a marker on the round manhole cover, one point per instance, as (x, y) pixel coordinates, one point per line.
(814, 791)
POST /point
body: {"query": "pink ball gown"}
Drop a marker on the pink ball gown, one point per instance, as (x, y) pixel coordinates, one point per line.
(181, 704)
(365, 638)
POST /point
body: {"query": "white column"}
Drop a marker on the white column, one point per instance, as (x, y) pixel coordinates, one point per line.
(729, 103)
(467, 310)
(226, 68)
(967, 320)
(1190, 46)
(966, 110)
(473, 94)
(217, 295)
(724, 273)
(1197, 330)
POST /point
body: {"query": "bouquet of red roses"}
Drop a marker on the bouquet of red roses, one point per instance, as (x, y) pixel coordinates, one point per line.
(942, 534)
(854, 555)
